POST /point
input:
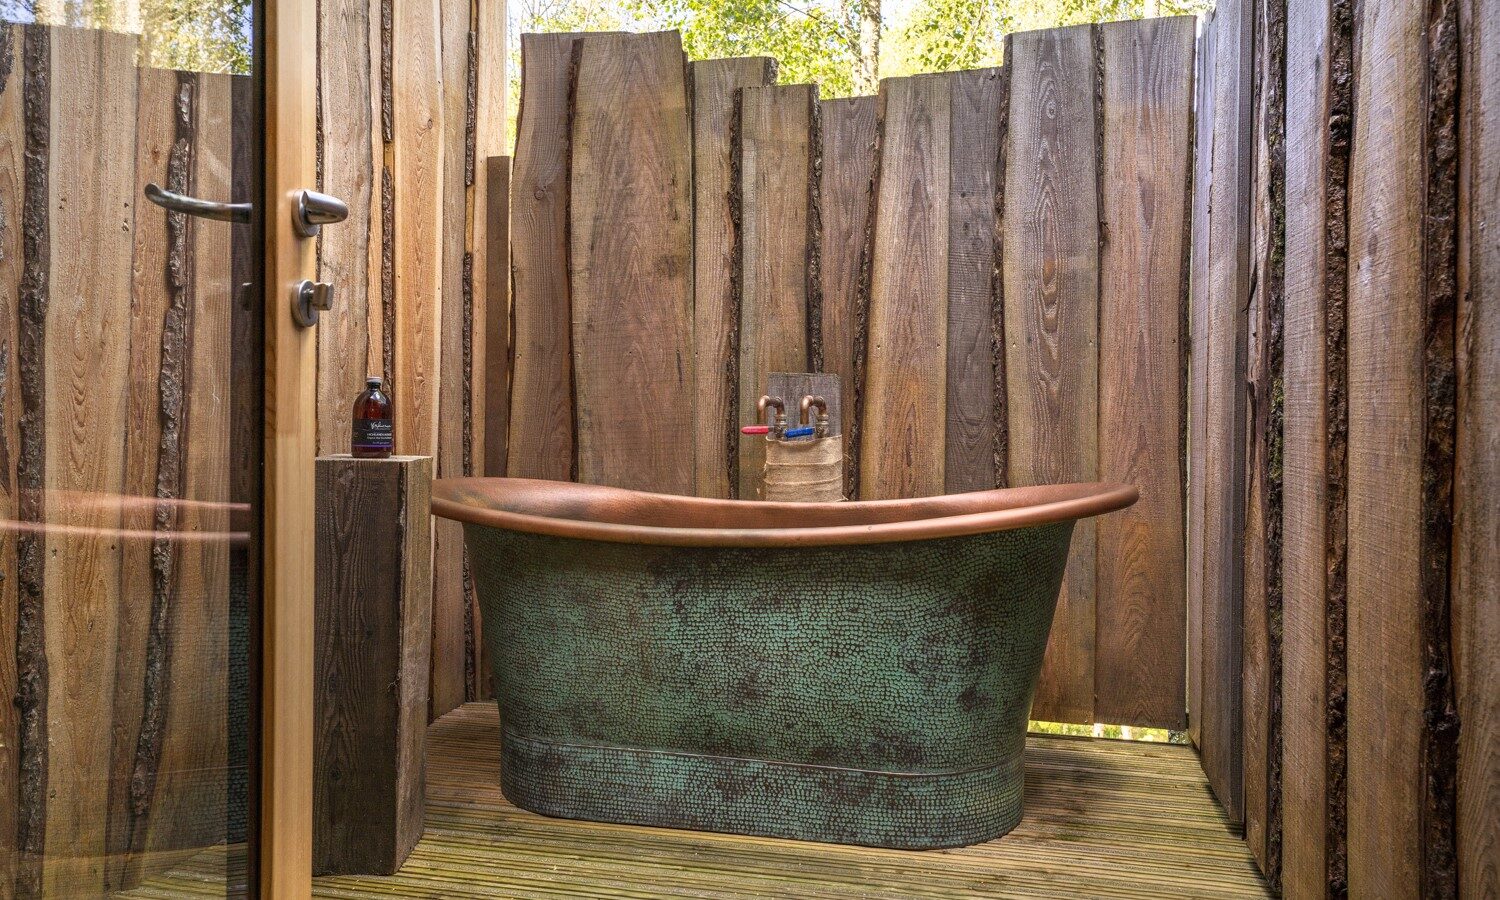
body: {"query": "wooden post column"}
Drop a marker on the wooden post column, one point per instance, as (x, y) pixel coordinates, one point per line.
(374, 616)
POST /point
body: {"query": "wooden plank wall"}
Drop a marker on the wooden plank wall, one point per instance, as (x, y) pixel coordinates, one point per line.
(1387, 775)
(118, 472)
(880, 224)
(412, 95)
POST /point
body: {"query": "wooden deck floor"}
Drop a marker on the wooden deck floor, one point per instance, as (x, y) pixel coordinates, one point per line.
(1103, 819)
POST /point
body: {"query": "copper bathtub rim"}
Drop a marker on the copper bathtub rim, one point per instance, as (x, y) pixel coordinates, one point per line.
(1015, 508)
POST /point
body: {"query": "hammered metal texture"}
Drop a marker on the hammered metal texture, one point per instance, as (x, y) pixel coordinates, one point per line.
(872, 694)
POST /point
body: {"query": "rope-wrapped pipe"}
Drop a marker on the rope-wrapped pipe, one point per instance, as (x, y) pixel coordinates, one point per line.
(810, 471)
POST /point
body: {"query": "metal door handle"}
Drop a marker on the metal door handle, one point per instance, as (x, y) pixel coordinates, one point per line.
(315, 210)
(203, 209)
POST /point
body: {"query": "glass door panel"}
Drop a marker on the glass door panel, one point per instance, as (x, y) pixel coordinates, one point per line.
(131, 394)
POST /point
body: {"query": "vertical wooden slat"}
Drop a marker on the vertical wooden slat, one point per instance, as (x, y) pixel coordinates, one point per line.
(1317, 147)
(630, 263)
(1224, 410)
(497, 316)
(1147, 146)
(777, 135)
(541, 426)
(350, 158)
(12, 166)
(716, 84)
(1476, 547)
(1197, 400)
(451, 622)
(905, 390)
(1051, 291)
(1392, 414)
(418, 151)
(1265, 386)
(91, 182)
(974, 403)
(848, 128)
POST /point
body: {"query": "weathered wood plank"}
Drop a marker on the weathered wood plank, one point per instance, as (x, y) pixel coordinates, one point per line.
(497, 316)
(1147, 147)
(1051, 291)
(373, 618)
(1391, 414)
(12, 167)
(849, 130)
(630, 263)
(1319, 56)
(1197, 400)
(976, 399)
(716, 85)
(541, 426)
(777, 140)
(1265, 385)
(418, 152)
(1224, 412)
(86, 345)
(905, 382)
(451, 618)
(1476, 615)
(350, 155)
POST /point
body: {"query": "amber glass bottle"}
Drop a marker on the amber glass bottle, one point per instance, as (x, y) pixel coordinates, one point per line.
(373, 434)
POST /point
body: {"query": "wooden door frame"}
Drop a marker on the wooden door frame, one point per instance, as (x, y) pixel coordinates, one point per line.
(286, 65)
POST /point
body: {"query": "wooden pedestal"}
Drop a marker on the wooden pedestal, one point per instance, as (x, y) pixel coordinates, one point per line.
(374, 615)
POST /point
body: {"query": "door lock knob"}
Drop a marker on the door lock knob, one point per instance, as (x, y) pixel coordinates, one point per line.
(311, 298)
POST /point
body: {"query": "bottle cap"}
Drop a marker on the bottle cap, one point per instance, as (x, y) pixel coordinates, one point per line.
(372, 380)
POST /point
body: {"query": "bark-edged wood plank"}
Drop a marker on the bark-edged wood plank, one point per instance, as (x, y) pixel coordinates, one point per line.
(1476, 615)
(541, 425)
(849, 129)
(905, 382)
(12, 167)
(777, 131)
(91, 200)
(630, 264)
(1051, 298)
(1147, 147)
(350, 153)
(1319, 54)
(497, 316)
(975, 399)
(716, 84)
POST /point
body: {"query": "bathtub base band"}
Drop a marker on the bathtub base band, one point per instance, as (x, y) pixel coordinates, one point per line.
(898, 810)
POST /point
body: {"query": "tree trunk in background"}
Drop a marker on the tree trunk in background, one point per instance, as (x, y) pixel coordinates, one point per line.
(867, 68)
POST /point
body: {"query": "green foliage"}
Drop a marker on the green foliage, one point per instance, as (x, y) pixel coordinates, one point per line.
(192, 35)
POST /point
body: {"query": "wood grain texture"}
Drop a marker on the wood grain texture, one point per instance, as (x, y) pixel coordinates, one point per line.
(1265, 384)
(1051, 290)
(350, 159)
(373, 618)
(497, 317)
(1224, 410)
(12, 167)
(418, 150)
(905, 382)
(849, 130)
(91, 182)
(1385, 463)
(1318, 60)
(1476, 584)
(630, 263)
(1197, 400)
(1147, 147)
(541, 427)
(451, 617)
(777, 135)
(973, 410)
(716, 84)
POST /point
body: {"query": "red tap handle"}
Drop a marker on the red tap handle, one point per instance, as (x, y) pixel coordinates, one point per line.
(755, 429)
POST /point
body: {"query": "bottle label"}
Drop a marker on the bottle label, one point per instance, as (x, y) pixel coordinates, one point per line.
(373, 434)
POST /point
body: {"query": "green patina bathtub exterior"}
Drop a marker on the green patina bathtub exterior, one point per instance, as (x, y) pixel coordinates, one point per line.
(868, 694)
